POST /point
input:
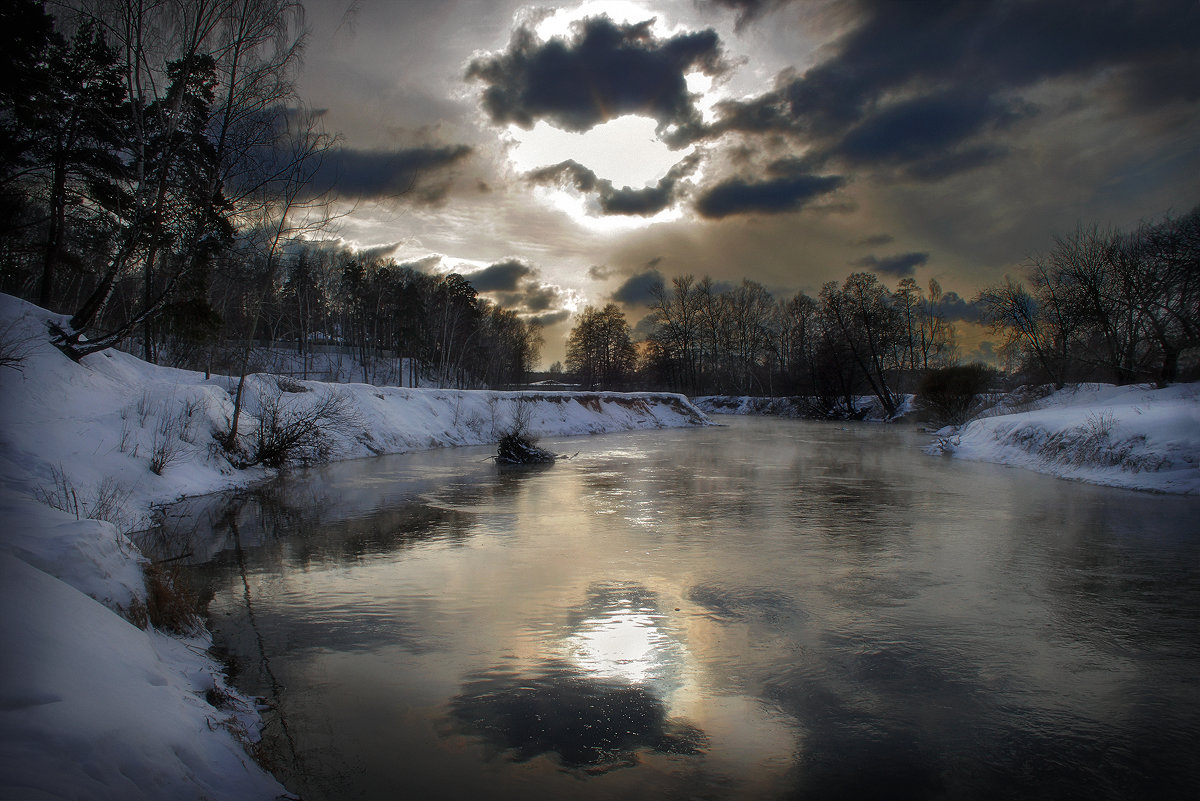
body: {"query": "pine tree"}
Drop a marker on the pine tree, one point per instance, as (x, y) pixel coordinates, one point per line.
(63, 133)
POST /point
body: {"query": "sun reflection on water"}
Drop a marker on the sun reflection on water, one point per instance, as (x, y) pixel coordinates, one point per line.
(625, 644)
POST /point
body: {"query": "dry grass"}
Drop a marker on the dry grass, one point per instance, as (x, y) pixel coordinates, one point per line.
(170, 603)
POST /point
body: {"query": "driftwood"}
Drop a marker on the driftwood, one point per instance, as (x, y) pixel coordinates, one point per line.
(516, 449)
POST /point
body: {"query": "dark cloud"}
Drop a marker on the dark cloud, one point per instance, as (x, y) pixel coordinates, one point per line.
(604, 71)
(955, 308)
(531, 297)
(638, 290)
(927, 88)
(900, 265)
(773, 196)
(550, 318)
(418, 173)
(514, 285)
(599, 273)
(646, 327)
(503, 276)
(644, 202)
(942, 165)
(926, 130)
(875, 240)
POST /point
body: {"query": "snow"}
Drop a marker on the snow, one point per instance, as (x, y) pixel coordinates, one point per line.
(91, 706)
(1136, 437)
(866, 407)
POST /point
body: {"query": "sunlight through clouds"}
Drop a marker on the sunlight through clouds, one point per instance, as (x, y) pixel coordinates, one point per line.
(621, 11)
(584, 211)
(626, 151)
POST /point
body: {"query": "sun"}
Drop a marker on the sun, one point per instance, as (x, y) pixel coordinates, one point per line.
(619, 11)
(626, 150)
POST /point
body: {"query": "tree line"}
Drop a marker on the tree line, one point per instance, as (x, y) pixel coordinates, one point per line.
(159, 176)
(1110, 306)
(1113, 306)
(144, 149)
(385, 310)
(854, 338)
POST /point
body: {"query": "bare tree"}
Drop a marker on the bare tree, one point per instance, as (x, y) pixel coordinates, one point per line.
(600, 351)
(676, 314)
(1107, 305)
(862, 313)
(287, 209)
(1010, 309)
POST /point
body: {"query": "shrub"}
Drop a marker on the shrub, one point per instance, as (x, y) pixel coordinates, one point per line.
(518, 449)
(298, 432)
(166, 446)
(14, 348)
(950, 396)
(107, 502)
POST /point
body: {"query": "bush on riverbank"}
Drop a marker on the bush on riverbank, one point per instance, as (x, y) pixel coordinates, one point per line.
(952, 396)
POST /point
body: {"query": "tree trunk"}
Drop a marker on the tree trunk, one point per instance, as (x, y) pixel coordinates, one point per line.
(58, 218)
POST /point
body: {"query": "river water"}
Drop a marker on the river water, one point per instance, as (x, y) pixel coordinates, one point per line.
(765, 609)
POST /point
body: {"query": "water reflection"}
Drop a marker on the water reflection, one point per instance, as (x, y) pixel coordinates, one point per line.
(601, 703)
(619, 633)
(585, 721)
(739, 603)
(771, 610)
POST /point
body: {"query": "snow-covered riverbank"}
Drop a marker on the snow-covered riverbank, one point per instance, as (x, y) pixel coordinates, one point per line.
(866, 407)
(1137, 437)
(92, 706)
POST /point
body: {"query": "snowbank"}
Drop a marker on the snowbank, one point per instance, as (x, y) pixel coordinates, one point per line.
(90, 435)
(1136, 437)
(92, 706)
(867, 407)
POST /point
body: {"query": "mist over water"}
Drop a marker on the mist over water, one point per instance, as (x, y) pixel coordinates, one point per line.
(767, 609)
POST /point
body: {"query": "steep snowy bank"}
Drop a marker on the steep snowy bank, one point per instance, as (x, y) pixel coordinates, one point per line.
(867, 407)
(1136, 437)
(96, 431)
(92, 706)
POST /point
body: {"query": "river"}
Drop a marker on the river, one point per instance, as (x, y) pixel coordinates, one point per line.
(765, 609)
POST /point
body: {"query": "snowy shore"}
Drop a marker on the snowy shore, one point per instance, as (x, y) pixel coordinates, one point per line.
(1136, 437)
(92, 706)
(867, 407)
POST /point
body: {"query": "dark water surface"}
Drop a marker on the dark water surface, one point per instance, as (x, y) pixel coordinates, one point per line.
(768, 609)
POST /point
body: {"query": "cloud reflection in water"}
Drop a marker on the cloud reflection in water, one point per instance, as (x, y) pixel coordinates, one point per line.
(560, 710)
(599, 701)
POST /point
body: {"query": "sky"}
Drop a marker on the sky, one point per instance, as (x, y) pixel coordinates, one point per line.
(572, 155)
